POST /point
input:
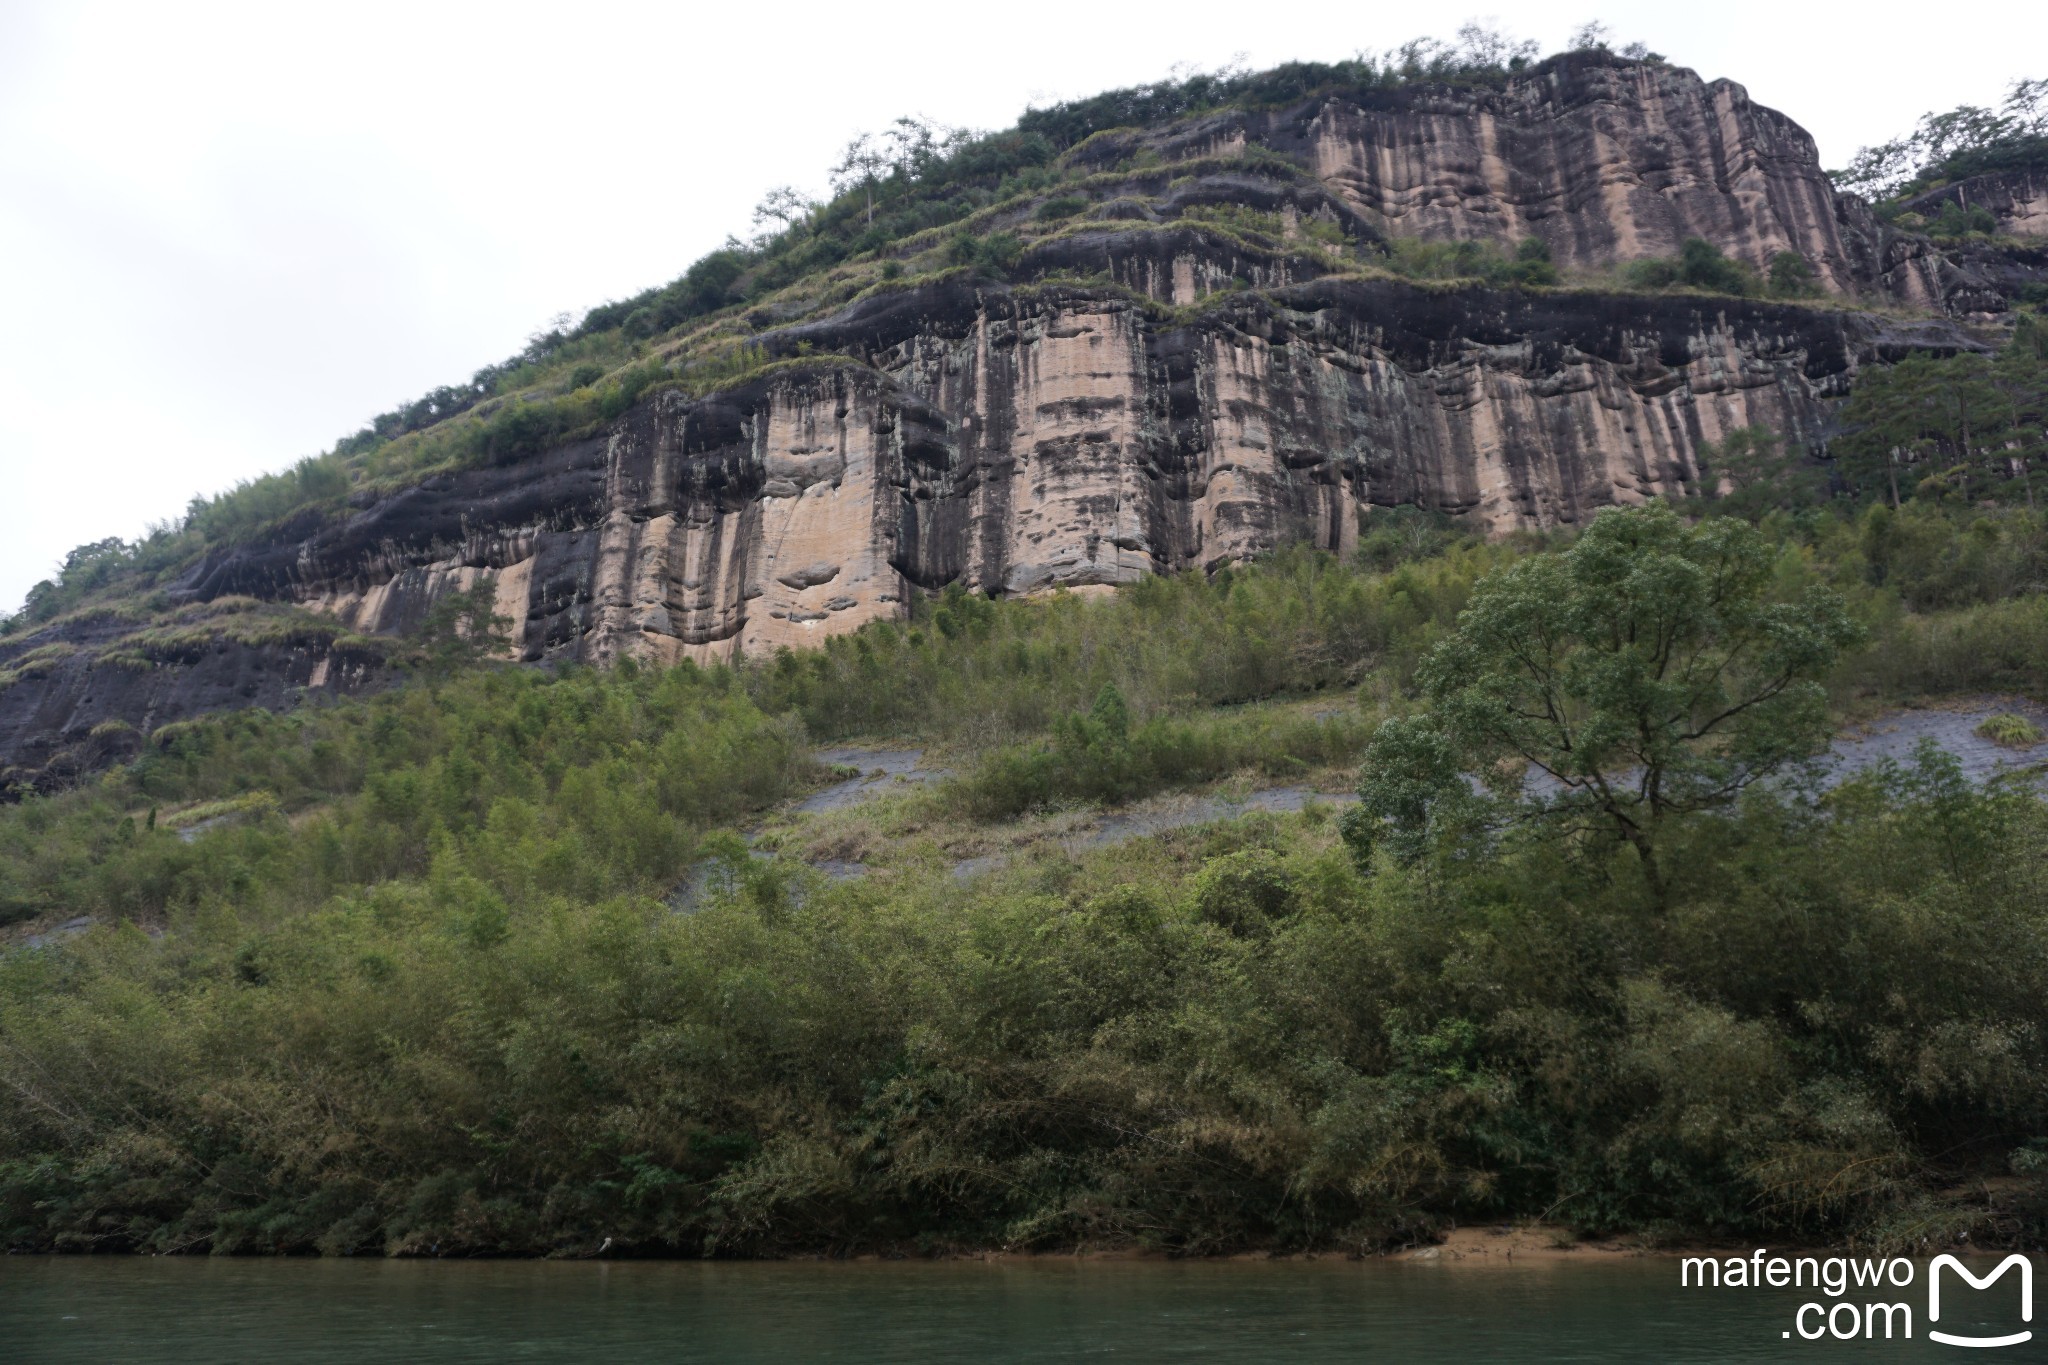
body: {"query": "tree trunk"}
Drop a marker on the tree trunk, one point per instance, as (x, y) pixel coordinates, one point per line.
(1653, 874)
(1644, 842)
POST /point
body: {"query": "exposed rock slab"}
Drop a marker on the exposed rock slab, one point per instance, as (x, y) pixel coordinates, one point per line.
(1020, 440)
(1011, 440)
(2018, 199)
(1604, 159)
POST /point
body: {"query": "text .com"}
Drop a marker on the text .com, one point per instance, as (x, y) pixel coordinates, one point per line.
(1843, 1320)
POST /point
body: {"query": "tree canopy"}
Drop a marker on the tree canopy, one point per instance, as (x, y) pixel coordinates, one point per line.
(1645, 672)
(1962, 141)
(1964, 425)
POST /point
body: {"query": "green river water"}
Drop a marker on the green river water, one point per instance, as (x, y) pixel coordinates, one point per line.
(110, 1309)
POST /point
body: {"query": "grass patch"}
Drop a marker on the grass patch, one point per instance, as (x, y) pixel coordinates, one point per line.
(2010, 731)
(253, 804)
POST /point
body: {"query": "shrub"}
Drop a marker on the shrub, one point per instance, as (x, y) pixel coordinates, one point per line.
(1955, 220)
(1792, 276)
(2011, 731)
(997, 253)
(423, 989)
(1699, 265)
(1532, 262)
(1244, 892)
(1221, 1039)
(1472, 260)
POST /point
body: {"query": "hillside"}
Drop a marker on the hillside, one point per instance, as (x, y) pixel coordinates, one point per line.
(519, 962)
(1274, 663)
(1162, 329)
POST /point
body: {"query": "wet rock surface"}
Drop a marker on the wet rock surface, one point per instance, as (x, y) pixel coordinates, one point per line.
(1892, 737)
(880, 771)
(1895, 736)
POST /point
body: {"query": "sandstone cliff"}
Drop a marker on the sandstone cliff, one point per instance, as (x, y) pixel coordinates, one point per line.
(1015, 440)
(1201, 365)
(2017, 200)
(1606, 161)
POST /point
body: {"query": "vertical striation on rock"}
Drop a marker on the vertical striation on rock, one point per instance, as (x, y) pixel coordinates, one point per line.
(1016, 441)
(1160, 387)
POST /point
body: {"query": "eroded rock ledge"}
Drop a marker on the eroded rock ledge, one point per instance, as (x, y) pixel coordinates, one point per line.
(1017, 440)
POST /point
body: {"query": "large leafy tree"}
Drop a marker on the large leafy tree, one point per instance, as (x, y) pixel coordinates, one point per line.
(1646, 672)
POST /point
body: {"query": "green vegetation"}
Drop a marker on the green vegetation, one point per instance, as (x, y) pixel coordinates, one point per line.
(904, 206)
(417, 987)
(409, 973)
(151, 634)
(1955, 222)
(1791, 276)
(590, 784)
(1644, 673)
(35, 663)
(1219, 1039)
(1098, 755)
(2014, 732)
(1748, 473)
(1958, 428)
(1699, 265)
(1479, 56)
(1967, 140)
(982, 673)
(1470, 260)
(996, 254)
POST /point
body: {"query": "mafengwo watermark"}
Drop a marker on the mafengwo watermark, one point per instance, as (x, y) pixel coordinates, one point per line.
(1887, 1294)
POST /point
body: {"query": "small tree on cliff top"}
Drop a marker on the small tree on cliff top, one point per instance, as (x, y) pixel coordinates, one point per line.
(860, 167)
(1644, 673)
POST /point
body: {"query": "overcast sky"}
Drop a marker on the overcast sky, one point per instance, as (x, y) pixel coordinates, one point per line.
(230, 233)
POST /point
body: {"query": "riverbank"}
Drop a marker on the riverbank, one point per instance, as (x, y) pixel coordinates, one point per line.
(1475, 1247)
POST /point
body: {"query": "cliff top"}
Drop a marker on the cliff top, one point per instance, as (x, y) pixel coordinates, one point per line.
(1215, 154)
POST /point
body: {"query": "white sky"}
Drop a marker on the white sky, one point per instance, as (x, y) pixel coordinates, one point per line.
(231, 233)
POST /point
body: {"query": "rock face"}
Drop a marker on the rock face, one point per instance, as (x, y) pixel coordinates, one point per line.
(2017, 199)
(1015, 441)
(1153, 391)
(81, 694)
(1607, 161)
